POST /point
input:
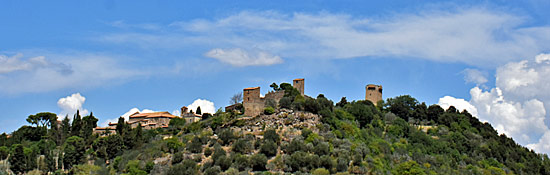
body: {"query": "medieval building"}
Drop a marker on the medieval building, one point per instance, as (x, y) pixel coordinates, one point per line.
(254, 103)
(188, 116)
(373, 93)
(147, 120)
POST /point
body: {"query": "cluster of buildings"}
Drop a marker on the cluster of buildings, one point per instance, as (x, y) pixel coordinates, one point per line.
(151, 120)
(253, 104)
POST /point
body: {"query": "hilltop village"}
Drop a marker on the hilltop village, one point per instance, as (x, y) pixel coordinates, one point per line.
(285, 131)
(253, 103)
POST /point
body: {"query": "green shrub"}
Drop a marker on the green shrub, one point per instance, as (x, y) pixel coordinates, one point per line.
(258, 162)
(269, 110)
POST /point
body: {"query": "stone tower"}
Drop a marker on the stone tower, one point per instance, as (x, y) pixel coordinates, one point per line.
(252, 102)
(299, 84)
(373, 93)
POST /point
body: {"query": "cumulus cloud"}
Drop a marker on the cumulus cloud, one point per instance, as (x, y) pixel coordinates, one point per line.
(518, 105)
(238, 57)
(70, 104)
(206, 106)
(459, 104)
(474, 36)
(474, 76)
(126, 115)
(53, 72)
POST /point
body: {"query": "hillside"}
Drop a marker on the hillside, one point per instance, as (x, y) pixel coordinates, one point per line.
(310, 135)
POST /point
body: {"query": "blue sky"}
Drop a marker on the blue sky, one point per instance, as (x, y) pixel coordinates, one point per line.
(109, 57)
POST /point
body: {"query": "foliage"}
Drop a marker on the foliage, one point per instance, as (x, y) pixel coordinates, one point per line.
(74, 149)
(269, 110)
(399, 136)
(258, 162)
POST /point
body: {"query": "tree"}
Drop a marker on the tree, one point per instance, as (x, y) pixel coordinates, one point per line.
(42, 119)
(18, 160)
(65, 129)
(199, 110)
(89, 123)
(402, 106)
(74, 150)
(4, 151)
(237, 98)
(121, 127)
(275, 87)
(77, 124)
(290, 91)
(342, 102)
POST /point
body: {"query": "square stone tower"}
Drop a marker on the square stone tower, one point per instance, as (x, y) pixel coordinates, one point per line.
(299, 84)
(252, 102)
(373, 93)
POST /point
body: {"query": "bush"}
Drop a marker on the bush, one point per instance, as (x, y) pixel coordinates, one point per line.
(269, 148)
(285, 102)
(241, 162)
(195, 146)
(242, 146)
(215, 170)
(178, 157)
(258, 162)
(272, 135)
(320, 171)
(223, 162)
(269, 110)
(226, 135)
(208, 152)
(187, 167)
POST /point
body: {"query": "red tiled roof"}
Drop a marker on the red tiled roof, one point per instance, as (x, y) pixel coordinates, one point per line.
(298, 79)
(153, 115)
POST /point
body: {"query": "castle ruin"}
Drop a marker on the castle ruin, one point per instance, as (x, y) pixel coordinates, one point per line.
(373, 93)
(254, 104)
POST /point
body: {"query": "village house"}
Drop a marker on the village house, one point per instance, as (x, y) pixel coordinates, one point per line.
(151, 120)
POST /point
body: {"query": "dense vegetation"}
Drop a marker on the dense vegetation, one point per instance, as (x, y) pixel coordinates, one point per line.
(398, 136)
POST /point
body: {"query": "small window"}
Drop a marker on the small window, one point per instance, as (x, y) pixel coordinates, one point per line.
(371, 88)
(380, 90)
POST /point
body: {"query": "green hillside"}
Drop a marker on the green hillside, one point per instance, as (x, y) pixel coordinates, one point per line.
(302, 135)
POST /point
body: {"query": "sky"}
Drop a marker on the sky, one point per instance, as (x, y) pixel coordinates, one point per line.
(114, 58)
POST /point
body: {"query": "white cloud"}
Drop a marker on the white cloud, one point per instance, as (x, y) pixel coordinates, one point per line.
(206, 106)
(475, 76)
(14, 63)
(70, 104)
(459, 104)
(76, 70)
(519, 103)
(474, 36)
(240, 58)
(126, 115)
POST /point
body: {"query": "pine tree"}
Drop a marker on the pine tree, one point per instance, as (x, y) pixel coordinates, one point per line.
(77, 124)
(65, 130)
(89, 123)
